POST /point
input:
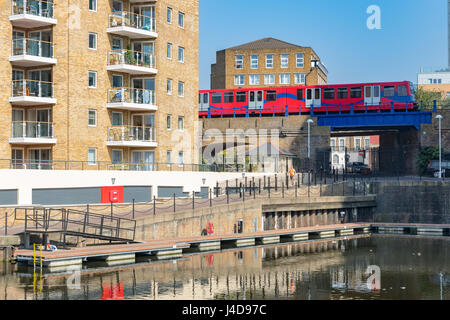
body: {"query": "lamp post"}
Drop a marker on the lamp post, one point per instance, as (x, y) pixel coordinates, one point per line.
(439, 117)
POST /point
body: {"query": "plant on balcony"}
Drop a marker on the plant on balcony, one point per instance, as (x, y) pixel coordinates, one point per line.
(129, 58)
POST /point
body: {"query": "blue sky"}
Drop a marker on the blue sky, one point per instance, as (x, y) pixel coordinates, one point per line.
(413, 34)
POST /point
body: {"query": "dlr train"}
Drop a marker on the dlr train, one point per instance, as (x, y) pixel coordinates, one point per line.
(320, 99)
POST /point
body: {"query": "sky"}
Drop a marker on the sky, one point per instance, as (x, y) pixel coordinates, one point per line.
(413, 34)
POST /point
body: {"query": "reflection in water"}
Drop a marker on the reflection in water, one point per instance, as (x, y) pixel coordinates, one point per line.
(410, 268)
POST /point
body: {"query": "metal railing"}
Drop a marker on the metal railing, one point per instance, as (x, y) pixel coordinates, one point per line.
(32, 88)
(132, 58)
(32, 47)
(128, 19)
(32, 129)
(34, 7)
(132, 95)
(132, 133)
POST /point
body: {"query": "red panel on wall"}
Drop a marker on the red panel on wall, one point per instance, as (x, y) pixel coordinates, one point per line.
(112, 194)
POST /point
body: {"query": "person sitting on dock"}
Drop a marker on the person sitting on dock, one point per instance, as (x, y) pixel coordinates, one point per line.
(51, 247)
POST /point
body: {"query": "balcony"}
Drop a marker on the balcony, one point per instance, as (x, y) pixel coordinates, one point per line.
(132, 99)
(32, 132)
(132, 62)
(31, 53)
(31, 93)
(32, 14)
(131, 25)
(131, 136)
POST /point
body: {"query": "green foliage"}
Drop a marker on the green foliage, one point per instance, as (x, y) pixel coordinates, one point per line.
(427, 97)
(425, 156)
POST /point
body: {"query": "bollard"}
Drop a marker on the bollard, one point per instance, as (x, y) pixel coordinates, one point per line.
(259, 186)
(174, 204)
(154, 205)
(193, 199)
(254, 192)
(133, 208)
(276, 183)
(210, 197)
(111, 210)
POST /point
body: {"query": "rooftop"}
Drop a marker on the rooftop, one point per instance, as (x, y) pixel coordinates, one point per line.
(266, 43)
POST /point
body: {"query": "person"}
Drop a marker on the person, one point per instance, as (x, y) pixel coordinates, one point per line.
(292, 173)
(342, 216)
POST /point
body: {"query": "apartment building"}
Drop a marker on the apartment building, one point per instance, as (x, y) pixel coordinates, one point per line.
(98, 81)
(267, 63)
(352, 149)
(435, 79)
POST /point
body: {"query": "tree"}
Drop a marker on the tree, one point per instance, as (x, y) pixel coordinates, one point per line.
(427, 97)
(425, 156)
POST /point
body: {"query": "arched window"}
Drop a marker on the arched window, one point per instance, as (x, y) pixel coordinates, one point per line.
(336, 159)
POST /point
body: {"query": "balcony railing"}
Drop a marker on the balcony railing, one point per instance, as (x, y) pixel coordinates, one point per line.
(131, 95)
(131, 134)
(32, 129)
(32, 88)
(133, 20)
(32, 47)
(133, 58)
(33, 7)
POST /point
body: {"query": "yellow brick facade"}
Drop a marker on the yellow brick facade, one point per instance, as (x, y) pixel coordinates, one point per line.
(223, 72)
(70, 37)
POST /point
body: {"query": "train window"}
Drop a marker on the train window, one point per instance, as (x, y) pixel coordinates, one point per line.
(328, 93)
(317, 94)
(216, 97)
(309, 94)
(228, 97)
(355, 92)
(368, 92)
(389, 91)
(199, 98)
(271, 95)
(240, 96)
(251, 96)
(402, 92)
(342, 93)
(299, 94)
(205, 97)
(260, 97)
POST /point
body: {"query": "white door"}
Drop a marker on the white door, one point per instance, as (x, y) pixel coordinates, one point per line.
(372, 95)
(313, 98)
(256, 99)
(203, 101)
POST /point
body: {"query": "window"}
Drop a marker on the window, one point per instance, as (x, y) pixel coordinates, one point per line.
(355, 92)
(169, 122)
(254, 61)
(341, 144)
(181, 19)
(169, 157)
(169, 86)
(402, 91)
(180, 89)
(181, 54)
(117, 81)
(117, 156)
(389, 91)
(285, 78)
(299, 78)
(92, 5)
(269, 61)
(328, 93)
(205, 98)
(228, 97)
(357, 143)
(92, 156)
(299, 94)
(241, 96)
(239, 80)
(271, 95)
(117, 6)
(216, 97)
(169, 15)
(284, 60)
(92, 118)
(336, 159)
(92, 41)
(254, 79)
(333, 144)
(117, 44)
(180, 158)
(342, 93)
(366, 143)
(300, 60)
(239, 61)
(117, 118)
(92, 79)
(180, 123)
(169, 51)
(269, 79)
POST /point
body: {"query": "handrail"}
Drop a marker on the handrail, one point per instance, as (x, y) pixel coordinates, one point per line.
(34, 7)
(131, 133)
(134, 20)
(130, 57)
(131, 95)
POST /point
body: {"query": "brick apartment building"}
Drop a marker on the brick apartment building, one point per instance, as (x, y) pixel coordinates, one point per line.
(98, 80)
(267, 63)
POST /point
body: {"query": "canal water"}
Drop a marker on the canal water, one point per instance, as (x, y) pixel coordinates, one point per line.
(358, 267)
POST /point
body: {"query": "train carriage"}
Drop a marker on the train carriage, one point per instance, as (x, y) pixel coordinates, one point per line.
(276, 101)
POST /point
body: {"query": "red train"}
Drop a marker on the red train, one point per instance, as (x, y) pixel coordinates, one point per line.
(276, 101)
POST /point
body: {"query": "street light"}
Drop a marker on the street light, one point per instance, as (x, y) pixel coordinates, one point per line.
(439, 117)
(309, 137)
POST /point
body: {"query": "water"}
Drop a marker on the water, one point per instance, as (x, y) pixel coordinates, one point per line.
(411, 268)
